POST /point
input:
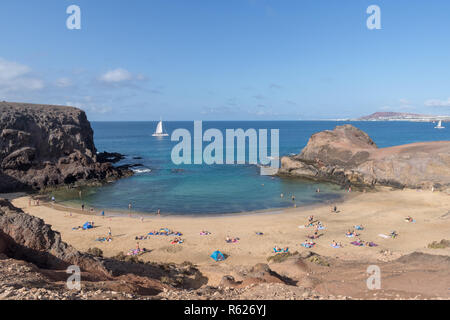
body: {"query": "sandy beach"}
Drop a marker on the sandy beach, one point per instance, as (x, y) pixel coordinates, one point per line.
(378, 212)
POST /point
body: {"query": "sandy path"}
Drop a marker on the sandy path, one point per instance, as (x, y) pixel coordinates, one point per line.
(379, 212)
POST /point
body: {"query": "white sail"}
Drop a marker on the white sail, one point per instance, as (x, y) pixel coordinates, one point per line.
(439, 126)
(159, 130)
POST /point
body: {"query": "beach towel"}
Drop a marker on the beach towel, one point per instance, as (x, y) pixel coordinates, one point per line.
(321, 228)
(359, 228)
(372, 244)
(308, 245)
(135, 252)
(87, 225)
(336, 246)
(383, 236)
(358, 244)
(103, 239)
(281, 250)
(218, 256)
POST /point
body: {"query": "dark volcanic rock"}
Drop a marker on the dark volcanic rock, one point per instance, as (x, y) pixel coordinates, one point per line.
(44, 146)
(347, 156)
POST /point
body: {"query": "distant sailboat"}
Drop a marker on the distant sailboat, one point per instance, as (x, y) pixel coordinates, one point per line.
(439, 126)
(159, 130)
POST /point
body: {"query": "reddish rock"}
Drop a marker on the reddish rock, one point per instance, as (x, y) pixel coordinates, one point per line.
(347, 156)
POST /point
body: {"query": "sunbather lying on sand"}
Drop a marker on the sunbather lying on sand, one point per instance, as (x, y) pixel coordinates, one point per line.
(278, 249)
(231, 240)
(409, 219)
(205, 233)
(177, 240)
(393, 234)
(351, 234)
(308, 244)
(335, 244)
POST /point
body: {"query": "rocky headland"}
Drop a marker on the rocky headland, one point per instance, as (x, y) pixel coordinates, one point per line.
(44, 146)
(348, 156)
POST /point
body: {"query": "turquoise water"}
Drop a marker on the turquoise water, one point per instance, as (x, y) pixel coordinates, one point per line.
(203, 189)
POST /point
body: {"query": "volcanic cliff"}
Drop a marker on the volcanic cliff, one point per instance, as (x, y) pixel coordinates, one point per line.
(45, 146)
(349, 157)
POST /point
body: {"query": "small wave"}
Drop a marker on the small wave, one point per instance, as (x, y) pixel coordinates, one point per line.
(141, 170)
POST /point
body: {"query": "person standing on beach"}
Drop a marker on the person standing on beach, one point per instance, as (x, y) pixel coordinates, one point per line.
(129, 206)
(82, 207)
(159, 212)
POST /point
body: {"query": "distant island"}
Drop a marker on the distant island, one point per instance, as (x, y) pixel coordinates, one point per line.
(401, 116)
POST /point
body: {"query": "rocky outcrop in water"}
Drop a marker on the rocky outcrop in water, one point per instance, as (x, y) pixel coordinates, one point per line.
(347, 156)
(45, 146)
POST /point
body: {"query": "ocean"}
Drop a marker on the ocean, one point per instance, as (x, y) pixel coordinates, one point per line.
(220, 189)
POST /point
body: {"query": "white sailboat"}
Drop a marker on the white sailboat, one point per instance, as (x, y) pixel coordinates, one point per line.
(439, 126)
(159, 130)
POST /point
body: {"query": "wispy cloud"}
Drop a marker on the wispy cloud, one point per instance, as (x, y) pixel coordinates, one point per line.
(17, 77)
(438, 103)
(259, 97)
(63, 82)
(120, 76)
(275, 86)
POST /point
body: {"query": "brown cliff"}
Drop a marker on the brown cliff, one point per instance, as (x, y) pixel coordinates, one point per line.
(45, 146)
(347, 156)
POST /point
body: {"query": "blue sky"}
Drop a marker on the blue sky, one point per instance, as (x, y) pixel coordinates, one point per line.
(227, 60)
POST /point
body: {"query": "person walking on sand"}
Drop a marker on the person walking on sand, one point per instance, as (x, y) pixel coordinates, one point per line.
(82, 207)
(159, 212)
(109, 232)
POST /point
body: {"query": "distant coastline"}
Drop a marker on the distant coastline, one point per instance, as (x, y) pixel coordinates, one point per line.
(398, 116)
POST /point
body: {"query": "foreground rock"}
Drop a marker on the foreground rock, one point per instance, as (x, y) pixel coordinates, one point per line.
(28, 240)
(347, 156)
(45, 146)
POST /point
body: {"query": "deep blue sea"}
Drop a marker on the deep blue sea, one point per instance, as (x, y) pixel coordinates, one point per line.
(216, 189)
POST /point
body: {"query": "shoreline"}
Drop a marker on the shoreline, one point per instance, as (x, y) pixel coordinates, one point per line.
(138, 214)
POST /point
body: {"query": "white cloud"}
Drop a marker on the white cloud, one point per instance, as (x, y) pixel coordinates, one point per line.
(116, 76)
(438, 103)
(63, 82)
(15, 76)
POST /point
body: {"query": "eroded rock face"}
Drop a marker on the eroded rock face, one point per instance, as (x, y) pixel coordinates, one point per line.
(43, 146)
(347, 156)
(27, 238)
(24, 237)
